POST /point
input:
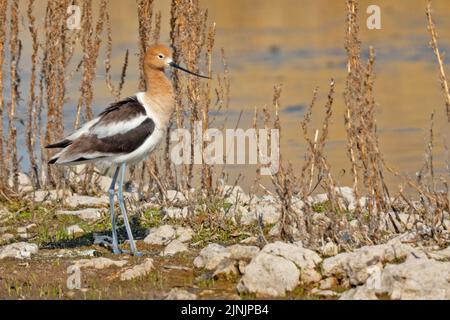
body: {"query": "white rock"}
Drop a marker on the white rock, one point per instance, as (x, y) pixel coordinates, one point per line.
(318, 198)
(270, 213)
(7, 237)
(240, 252)
(90, 214)
(354, 266)
(441, 254)
(235, 194)
(415, 279)
(74, 230)
(179, 294)
(76, 201)
(325, 293)
(328, 283)
(25, 184)
(138, 271)
(359, 293)
(269, 275)
(302, 257)
(330, 249)
(310, 276)
(99, 263)
(176, 213)
(184, 234)
(161, 235)
(47, 196)
(104, 183)
(226, 270)
(175, 196)
(174, 247)
(20, 250)
(249, 240)
(244, 215)
(211, 256)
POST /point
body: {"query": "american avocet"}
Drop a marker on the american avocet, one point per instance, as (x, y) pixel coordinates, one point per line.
(126, 131)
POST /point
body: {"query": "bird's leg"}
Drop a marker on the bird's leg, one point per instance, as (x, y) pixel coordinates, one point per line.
(115, 242)
(124, 213)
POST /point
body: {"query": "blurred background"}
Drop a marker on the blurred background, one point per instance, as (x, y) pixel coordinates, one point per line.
(300, 44)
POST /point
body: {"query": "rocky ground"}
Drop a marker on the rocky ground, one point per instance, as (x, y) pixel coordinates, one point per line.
(46, 246)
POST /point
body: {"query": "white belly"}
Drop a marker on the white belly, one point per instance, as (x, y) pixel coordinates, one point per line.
(140, 153)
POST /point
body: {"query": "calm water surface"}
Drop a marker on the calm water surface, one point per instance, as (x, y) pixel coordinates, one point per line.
(299, 43)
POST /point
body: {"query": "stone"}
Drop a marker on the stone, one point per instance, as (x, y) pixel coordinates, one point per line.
(355, 265)
(77, 201)
(141, 270)
(175, 196)
(303, 258)
(161, 235)
(440, 255)
(74, 230)
(24, 180)
(184, 234)
(89, 214)
(330, 249)
(176, 213)
(415, 279)
(99, 263)
(359, 293)
(269, 212)
(325, 293)
(269, 275)
(104, 183)
(174, 247)
(46, 195)
(180, 294)
(310, 276)
(328, 283)
(240, 252)
(211, 256)
(226, 270)
(235, 195)
(245, 216)
(7, 237)
(318, 198)
(249, 240)
(20, 250)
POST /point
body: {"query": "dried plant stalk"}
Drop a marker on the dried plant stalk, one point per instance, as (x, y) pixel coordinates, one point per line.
(3, 10)
(435, 46)
(15, 47)
(32, 125)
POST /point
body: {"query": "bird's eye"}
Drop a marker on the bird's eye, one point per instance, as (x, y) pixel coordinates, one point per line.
(161, 56)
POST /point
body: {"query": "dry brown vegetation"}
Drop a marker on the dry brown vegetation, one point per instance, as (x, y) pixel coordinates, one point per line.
(192, 37)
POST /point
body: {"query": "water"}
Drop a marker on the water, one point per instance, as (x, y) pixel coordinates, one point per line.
(300, 45)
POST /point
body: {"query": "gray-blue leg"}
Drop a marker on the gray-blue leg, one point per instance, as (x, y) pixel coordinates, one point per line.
(124, 213)
(115, 242)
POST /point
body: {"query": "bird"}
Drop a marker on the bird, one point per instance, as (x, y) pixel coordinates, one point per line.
(126, 132)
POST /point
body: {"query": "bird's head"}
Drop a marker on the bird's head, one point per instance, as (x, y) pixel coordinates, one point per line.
(160, 57)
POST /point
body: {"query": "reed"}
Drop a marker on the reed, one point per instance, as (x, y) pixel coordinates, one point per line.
(3, 27)
(439, 56)
(32, 125)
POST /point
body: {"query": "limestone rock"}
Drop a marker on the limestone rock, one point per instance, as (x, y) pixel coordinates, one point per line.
(76, 201)
(180, 294)
(99, 263)
(138, 271)
(20, 250)
(269, 275)
(354, 266)
(174, 247)
(89, 214)
(211, 256)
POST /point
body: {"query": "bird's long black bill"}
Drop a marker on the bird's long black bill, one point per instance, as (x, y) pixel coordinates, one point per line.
(172, 64)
